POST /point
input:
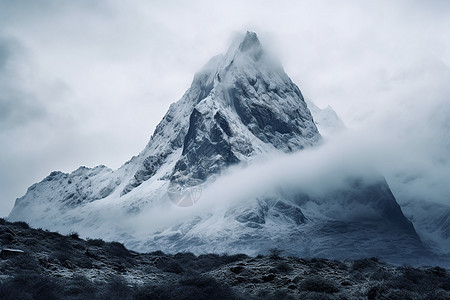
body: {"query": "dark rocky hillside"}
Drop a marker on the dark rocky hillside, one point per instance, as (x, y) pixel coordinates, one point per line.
(38, 264)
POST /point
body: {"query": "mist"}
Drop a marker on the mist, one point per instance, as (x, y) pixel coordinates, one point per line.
(315, 172)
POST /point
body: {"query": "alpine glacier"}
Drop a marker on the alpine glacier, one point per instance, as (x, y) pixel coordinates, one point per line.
(241, 112)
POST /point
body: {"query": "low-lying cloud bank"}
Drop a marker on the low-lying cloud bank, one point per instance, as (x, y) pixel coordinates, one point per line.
(315, 172)
(407, 143)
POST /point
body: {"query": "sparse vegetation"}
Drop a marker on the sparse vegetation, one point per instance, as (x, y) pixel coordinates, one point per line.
(95, 242)
(283, 267)
(74, 235)
(365, 263)
(22, 225)
(319, 284)
(275, 253)
(54, 266)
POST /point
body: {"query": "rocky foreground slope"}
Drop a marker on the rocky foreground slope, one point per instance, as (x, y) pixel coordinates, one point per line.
(38, 264)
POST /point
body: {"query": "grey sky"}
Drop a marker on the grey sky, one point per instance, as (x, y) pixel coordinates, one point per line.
(86, 84)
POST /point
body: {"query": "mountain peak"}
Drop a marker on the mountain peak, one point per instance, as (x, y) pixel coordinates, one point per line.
(242, 105)
(247, 45)
(250, 41)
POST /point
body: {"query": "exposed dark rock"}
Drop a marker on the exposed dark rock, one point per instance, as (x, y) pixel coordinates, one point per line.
(149, 167)
(204, 152)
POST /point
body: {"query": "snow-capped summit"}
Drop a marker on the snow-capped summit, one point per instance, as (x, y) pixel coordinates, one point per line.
(250, 41)
(240, 107)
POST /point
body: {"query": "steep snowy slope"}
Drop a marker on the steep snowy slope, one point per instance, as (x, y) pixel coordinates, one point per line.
(327, 121)
(240, 110)
(432, 221)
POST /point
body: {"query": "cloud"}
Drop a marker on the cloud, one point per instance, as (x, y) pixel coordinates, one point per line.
(26, 120)
(317, 172)
(17, 104)
(410, 133)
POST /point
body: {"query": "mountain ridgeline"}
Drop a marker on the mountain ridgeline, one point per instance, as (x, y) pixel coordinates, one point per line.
(240, 107)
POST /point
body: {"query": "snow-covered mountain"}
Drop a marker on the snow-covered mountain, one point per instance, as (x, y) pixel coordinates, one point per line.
(432, 221)
(240, 110)
(326, 119)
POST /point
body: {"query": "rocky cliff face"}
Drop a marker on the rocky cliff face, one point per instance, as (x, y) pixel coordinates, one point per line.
(240, 107)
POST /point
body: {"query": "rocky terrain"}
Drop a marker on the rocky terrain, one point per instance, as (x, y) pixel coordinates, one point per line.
(38, 264)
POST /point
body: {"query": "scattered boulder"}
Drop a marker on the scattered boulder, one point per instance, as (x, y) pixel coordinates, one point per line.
(5, 252)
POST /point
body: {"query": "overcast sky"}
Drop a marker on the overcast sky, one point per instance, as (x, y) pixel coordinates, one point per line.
(86, 82)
